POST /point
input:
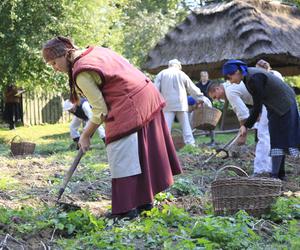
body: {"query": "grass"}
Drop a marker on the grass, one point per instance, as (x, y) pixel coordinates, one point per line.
(49, 139)
(8, 183)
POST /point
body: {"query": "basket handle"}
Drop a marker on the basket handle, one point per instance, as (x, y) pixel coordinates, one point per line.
(236, 169)
(17, 136)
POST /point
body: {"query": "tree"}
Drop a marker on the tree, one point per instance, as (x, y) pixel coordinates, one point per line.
(293, 2)
(129, 27)
(27, 24)
(146, 22)
(23, 25)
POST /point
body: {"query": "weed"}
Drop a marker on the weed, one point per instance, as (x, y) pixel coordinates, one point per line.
(162, 196)
(285, 209)
(185, 187)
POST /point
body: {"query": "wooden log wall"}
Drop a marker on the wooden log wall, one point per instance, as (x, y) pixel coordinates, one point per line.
(43, 108)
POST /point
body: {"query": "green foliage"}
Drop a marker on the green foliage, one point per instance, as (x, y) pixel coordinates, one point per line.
(7, 182)
(30, 220)
(226, 232)
(287, 237)
(24, 24)
(129, 27)
(80, 221)
(185, 187)
(190, 149)
(285, 209)
(25, 220)
(162, 196)
(293, 81)
(169, 215)
(94, 22)
(294, 2)
(145, 23)
(165, 228)
(218, 104)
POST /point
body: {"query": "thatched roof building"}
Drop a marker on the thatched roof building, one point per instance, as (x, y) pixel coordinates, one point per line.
(241, 29)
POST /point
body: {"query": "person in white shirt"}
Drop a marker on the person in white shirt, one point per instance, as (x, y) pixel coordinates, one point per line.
(238, 96)
(174, 85)
(265, 65)
(82, 114)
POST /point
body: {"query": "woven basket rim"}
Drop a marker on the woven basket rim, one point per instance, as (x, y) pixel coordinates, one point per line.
(209, 108)
(245, 179)
(206, 115)
(24, 142)
(247, 197)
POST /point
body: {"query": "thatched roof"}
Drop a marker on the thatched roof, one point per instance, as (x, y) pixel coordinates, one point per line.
(242, 29)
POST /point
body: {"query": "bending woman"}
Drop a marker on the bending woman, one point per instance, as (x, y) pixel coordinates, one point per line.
(279, 99)
(141, 154)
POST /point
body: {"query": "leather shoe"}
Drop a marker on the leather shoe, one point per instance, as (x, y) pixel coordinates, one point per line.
(145, 207)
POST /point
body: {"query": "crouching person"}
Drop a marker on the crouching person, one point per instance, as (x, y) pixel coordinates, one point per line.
(82, 113)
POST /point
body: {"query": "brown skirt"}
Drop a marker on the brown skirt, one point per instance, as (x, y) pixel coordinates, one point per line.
(159, 162)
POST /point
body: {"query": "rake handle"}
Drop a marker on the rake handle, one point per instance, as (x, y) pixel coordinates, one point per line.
(225, 149)
(70, 173)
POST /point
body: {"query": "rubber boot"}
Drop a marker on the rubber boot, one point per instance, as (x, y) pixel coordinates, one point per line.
(277, 165)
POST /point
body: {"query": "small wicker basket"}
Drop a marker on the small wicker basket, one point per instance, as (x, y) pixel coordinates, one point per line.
(205, 118)
(19, 147)
(177, 139)
(252, 194)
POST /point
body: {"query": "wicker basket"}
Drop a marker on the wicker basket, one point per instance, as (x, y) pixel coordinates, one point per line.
(177, 139)
(206, 118)
(19, 147)
(252, 194)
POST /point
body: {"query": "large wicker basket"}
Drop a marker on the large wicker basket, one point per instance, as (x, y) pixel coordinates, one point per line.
(254, 195)
(206, 118)
(20, 147)
(177, 139)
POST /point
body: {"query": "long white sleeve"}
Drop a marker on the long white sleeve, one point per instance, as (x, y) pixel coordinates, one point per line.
(238, 96)
(87, 110)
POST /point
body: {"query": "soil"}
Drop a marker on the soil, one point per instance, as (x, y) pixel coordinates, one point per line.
(36, 182)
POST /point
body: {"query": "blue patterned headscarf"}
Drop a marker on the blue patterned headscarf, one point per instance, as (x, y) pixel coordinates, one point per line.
(231, 66)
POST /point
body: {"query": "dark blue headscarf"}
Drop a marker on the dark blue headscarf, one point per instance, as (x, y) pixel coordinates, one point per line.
(231, 66)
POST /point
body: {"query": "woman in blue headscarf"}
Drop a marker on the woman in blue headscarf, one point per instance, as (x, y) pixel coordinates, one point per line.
(279, 99)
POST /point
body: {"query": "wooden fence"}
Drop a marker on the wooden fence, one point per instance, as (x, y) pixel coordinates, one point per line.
(41, 108)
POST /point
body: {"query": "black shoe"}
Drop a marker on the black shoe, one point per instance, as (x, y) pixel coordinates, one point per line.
(126, 216)
(76, 140)
(283, 178)
(146, 207)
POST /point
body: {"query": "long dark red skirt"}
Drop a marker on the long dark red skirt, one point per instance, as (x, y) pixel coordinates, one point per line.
(159, 163)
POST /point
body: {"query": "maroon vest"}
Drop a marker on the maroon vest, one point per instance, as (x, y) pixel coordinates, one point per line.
(131, 98)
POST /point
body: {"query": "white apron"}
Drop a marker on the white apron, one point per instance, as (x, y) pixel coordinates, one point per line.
(123, 157)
